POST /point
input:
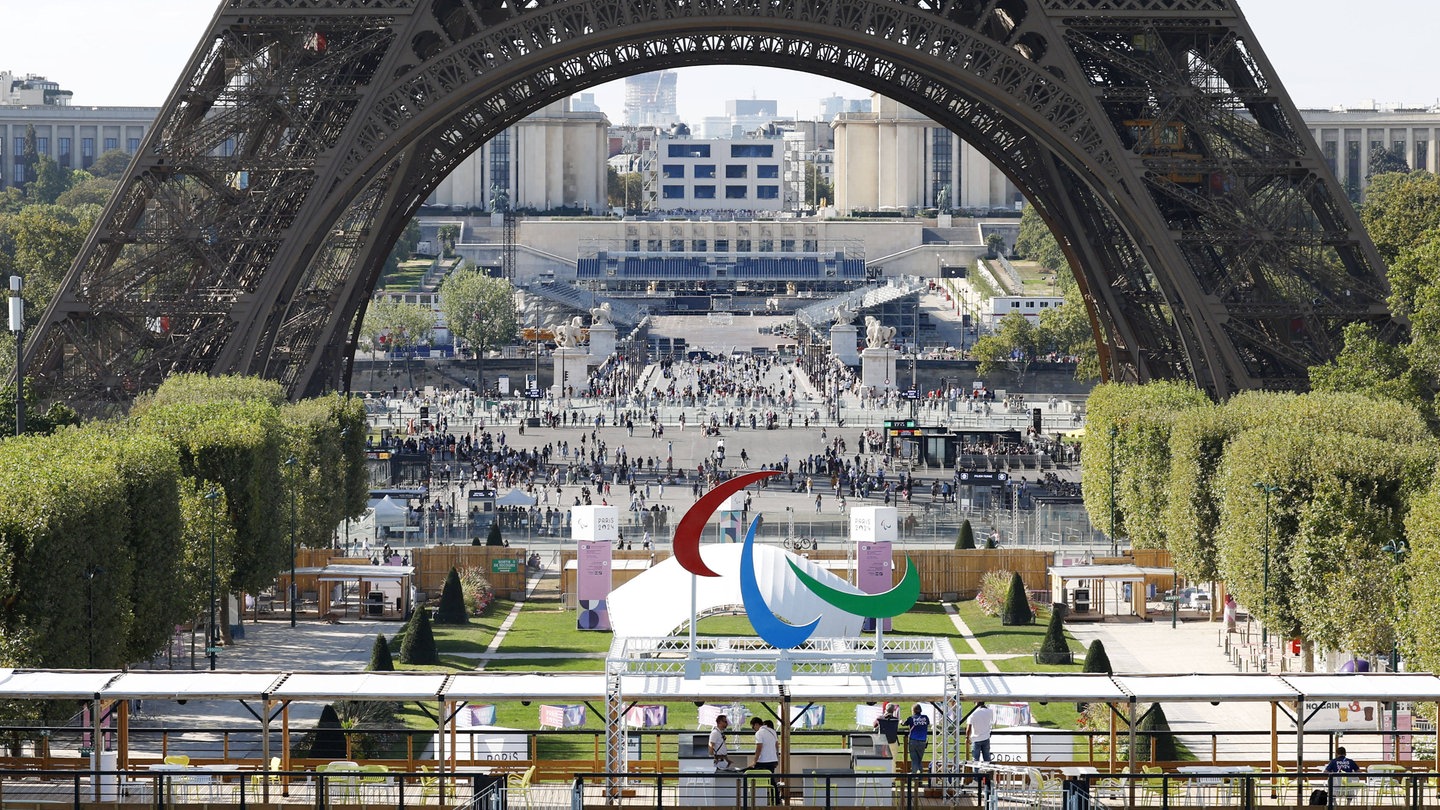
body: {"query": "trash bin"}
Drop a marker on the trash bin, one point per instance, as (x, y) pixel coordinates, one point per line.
(488, 791)
(1075, 794)
(107, 786)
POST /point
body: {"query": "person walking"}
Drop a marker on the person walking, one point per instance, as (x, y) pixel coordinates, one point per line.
(917, 737)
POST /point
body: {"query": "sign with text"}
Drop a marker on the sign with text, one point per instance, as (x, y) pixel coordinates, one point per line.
(592, 589)
(504, 565)
(874, 523)
(595, 522)
(874, 571)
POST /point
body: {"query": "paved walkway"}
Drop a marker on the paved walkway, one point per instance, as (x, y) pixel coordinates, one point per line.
(979, 651)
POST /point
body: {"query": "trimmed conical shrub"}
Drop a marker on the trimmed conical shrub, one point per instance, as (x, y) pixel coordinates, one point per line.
(452, 601)
(1054, 649)
(965, 540)
(1017, 604)
(494, 538)
(329, 736)
(1155, 742)
(380, 660)
(419, 646)
(1097, 660)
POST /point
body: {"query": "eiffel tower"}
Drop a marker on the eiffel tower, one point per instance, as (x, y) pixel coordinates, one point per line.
(1209, 237)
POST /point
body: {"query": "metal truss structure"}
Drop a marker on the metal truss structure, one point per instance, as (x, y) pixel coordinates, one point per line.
(1209, 237)
(682, 661)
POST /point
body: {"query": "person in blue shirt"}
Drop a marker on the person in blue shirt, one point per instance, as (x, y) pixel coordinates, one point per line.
(917, 736)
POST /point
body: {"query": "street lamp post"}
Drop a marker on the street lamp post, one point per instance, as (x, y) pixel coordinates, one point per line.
(91, 572)
(1396, 548)
(290, 467)
(1265, 580)
(17, 328)
(212, 634)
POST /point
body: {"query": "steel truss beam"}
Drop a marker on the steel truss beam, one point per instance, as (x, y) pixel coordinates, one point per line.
(1209, 237)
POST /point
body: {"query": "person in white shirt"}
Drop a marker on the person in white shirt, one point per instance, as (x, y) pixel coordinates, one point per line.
(767, 753)
(718, 750)
(977, 729)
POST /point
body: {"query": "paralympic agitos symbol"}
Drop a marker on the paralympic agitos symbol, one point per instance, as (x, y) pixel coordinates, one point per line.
(775, 632)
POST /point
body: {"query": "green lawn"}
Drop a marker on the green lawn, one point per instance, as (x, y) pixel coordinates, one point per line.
(547, 628)
(998, 638)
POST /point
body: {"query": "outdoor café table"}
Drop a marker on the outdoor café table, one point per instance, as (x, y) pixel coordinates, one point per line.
(187, 778)
(1207, 784)
(347, 785)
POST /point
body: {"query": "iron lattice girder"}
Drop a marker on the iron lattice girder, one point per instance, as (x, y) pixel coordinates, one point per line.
(257, 215)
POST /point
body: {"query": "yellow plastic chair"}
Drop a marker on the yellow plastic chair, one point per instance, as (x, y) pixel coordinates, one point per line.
(257, 781)
(518, 784)
(1154, 783)
(375, 780)
(429, 783)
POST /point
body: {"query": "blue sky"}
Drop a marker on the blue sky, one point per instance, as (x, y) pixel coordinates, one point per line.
(1328, 53)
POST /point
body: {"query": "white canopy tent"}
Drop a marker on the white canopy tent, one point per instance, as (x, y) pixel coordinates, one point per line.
(389, 513)
(515, 497)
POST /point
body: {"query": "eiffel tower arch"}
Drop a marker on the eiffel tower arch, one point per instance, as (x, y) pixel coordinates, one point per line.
(1209, 237)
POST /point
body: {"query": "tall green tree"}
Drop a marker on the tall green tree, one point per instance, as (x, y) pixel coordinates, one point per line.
(1387, 161)
(29, 155)
(1370, 366)
(398, 326)
(448, 234)
(818, 190)
(479, 310)
(1130, 425)
(112, 163)
(1069, 330)
(49, 182)
(1012, 346)
(1037, 243)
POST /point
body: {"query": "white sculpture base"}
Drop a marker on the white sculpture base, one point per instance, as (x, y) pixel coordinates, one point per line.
(843, 343)
(877, 369)
(571, 370)
(602, 342)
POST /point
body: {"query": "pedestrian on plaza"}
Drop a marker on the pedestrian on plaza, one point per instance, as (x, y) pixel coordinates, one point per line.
(917, 737)
(817, 504)
(1232, 611)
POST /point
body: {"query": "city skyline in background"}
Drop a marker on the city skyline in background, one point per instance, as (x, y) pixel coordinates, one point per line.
(1326, 58)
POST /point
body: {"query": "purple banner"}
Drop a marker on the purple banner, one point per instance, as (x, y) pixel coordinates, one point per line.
(592, 586)
(874, 572)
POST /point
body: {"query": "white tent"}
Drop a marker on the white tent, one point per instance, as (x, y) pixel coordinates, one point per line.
(658, 601)
(515, 498)
(389, 513)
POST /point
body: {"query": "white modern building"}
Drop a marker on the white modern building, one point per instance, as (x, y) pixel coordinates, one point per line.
(1028, 305)
(555, 158)
(72, 136)
(726, 175)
